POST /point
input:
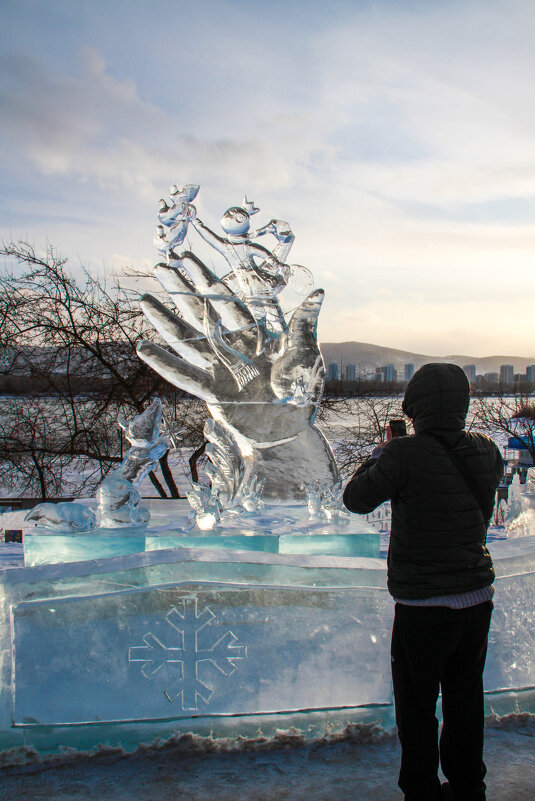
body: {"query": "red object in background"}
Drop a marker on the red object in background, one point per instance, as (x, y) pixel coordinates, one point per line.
(13, 535)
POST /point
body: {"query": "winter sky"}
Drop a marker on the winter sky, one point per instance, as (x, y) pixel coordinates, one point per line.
(397, 137)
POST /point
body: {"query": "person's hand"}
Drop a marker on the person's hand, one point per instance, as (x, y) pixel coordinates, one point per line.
(264, 389)
(377, 450)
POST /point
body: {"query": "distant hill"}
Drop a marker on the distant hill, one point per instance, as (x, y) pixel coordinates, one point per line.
(367, 355)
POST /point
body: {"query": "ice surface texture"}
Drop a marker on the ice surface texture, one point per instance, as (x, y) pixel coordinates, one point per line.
(275, 528)
(260, 374)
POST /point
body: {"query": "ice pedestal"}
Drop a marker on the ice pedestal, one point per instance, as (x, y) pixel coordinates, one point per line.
(121, 650)
(170, 528)
(170, 635)
(190, 649)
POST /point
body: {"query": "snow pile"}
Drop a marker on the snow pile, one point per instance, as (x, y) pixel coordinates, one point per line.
(360, 763)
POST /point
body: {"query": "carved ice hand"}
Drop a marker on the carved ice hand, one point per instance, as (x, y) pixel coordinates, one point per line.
(264, 389)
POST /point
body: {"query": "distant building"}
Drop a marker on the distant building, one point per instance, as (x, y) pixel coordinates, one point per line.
(389, 373)
(530, 373)
(408, 372)
(491, 378)
(379, 374)
(470, 371)
(350, 372)
(333, 372)
(507, 375)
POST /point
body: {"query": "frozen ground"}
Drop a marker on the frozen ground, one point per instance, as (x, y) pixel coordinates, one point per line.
(361, 766)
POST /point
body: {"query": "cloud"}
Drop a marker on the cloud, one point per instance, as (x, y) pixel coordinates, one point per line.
(397, 139)
(98, 128)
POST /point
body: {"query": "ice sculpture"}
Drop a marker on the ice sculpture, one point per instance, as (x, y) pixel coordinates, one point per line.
(519, 514)
(233, 483)
(325, 503)
(118, 498)
(63, 517)
(260, 373)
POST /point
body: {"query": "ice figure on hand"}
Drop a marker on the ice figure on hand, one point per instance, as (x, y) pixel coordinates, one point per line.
(257, 274)
(260, 374)
(119, 500)
(176, 217)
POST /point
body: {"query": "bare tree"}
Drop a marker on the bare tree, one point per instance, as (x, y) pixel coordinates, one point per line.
(75, 340)
(43, 455)
(355, 425)
(508, 415)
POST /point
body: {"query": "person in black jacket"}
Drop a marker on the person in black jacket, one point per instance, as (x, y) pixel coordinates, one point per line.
(442, 483)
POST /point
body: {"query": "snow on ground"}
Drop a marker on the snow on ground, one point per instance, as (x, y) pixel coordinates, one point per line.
(11, 553)
(361, 765)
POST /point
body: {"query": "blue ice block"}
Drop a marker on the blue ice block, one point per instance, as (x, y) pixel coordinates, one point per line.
(185, 649)
(238, 542)
(170, 527)
(365, 544)
(42, 547)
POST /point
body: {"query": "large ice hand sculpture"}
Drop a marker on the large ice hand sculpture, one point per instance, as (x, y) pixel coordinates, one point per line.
(261, 376)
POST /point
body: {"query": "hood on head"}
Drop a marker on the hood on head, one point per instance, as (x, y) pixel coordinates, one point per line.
(437, 398)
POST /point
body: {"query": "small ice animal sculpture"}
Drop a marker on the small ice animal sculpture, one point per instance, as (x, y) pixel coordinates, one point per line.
(65, 517)
(325, 503)
(260, 374)
(119, 500)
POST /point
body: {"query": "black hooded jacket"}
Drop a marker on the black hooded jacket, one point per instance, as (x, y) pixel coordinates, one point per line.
(437, 543)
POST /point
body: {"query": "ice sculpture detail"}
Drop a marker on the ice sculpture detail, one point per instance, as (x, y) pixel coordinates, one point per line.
(325, 503)
(175, 217)
(260, 373)
(519, 513)
(187, 623)
(119, 501)
(234, 484)
(63, 517)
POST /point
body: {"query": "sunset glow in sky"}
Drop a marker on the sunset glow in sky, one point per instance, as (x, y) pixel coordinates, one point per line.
(396, 137)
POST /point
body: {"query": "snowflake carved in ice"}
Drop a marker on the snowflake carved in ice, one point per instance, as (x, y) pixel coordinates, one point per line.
(186, 622)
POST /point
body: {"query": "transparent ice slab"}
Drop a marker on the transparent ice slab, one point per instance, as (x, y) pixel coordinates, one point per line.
(191, 649)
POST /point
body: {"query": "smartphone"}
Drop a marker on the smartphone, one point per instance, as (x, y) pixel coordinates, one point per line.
(398, 428)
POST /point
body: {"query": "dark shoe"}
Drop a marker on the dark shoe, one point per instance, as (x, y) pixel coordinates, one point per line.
(448, 794)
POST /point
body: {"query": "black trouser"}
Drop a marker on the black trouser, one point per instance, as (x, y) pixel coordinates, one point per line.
(432, 646)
